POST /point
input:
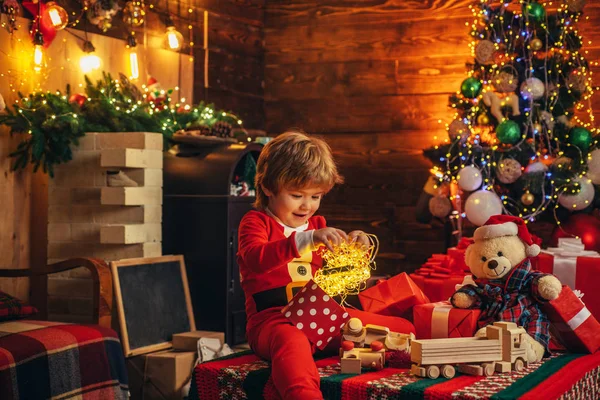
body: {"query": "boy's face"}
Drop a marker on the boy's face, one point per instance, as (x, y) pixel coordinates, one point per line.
(295, 206)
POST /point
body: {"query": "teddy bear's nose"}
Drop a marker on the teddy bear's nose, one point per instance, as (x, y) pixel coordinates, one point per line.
(492, 264)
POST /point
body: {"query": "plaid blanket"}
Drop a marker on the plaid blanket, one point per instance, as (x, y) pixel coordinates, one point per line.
(41, 360)
(566, 376)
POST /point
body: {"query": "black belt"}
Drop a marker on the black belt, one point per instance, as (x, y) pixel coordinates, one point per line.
(276, 297)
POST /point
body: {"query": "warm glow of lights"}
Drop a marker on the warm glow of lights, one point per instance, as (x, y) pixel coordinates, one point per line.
(173, 39)
(56, 15)
(38, 57)
(89, 62)
(133, 64)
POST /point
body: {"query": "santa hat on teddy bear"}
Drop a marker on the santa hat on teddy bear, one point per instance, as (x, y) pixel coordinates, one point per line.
(507, 225)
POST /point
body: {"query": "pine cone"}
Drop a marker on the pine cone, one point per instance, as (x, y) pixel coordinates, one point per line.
(203, 130)
(222, 129)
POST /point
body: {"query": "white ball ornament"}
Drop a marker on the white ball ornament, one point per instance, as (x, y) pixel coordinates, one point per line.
(594, 166)
(469, 178)
(536, 167)
(481, 205)
(508, 171)
(579, 200)
(532, 89)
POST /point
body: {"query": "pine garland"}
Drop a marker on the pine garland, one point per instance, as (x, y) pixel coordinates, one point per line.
(52, 123)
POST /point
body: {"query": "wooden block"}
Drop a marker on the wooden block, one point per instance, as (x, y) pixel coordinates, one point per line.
(350, 366)
(503, 366)
(188, 341)
(131, 196)
(89, 233)
(130, 140)
(147, 176)
(471, 369)
(153, 214)
(131, 158)
(128, 234)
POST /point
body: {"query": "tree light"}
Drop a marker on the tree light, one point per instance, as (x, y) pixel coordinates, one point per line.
(89, 61)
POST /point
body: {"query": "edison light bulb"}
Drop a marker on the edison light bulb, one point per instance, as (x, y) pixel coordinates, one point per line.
(133, 64)
(38, 52)
(57, 15)
(173, 40)
(89, 61)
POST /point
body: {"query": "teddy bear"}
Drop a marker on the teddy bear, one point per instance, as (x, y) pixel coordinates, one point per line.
(506, 289)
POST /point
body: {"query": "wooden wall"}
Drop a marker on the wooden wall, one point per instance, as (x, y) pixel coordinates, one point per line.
(373, 78)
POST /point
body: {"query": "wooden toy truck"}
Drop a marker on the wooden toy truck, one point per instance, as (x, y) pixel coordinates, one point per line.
(502, 350)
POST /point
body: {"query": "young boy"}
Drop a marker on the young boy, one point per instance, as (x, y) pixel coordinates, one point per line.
(277, 246)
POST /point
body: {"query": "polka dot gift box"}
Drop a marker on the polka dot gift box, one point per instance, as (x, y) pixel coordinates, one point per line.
(316, 314)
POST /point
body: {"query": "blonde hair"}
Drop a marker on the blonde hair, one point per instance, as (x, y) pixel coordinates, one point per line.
(294, 160)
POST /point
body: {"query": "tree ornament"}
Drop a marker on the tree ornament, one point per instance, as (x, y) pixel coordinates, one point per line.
(469, 178)
(580, 137)
(536, 167)
(577, 81)
(527, 198)
(496, 102)
(500, 57)
(535, 11)
(40, 25)
(133, 13)
(508, 170)
(471, 87)
(481, 205)
(483, 119)
(536, 44)
(78, 98)
(440, 206)
(562, 164)
(579, 200)
(593, 164)
(532, 89)
(575, 5)
(582, 225)
(505, 82)
(508, 132)
(101, 13)
(537, 128)
(458, 128)
(55, 16)
(547, 119)
(484, 52)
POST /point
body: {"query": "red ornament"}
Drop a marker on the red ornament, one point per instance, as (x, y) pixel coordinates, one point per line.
(78, 98)
(586, 226)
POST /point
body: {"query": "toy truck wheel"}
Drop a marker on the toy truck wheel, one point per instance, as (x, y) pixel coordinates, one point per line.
(519, 365)
(448, 371)
(488, 369)
(433, 372)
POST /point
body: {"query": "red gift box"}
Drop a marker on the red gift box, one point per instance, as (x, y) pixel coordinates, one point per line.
(395, 296)
(579, 331)
(441, 320)
(575, 267)
(316, 314)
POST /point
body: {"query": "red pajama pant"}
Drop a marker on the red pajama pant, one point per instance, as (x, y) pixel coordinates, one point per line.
(293, 369)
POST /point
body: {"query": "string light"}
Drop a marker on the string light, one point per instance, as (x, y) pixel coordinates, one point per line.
(134, 67)
(56, 15)
(346, 270)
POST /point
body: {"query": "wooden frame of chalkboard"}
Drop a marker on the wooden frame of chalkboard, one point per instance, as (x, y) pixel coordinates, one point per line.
(140, 283)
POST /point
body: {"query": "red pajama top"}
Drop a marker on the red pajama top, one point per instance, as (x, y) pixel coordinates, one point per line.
(268, 257)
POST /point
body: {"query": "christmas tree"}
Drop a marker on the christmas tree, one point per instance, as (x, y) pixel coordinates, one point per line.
(522, 141)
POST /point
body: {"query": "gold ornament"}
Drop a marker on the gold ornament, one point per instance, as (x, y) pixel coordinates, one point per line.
(133, 13)
(537, 128)
(505, 82)
(484, 52)
(483, 119)
(527, 198)
(346, 270)
(536, 44)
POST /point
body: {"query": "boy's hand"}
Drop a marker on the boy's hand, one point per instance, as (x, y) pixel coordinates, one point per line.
(329, 237)
(359, 237)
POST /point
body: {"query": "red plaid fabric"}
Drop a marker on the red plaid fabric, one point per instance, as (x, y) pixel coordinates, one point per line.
(12, 308)
(41, 360)
(515, 300)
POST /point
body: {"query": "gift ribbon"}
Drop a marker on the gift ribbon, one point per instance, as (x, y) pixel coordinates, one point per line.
(565, 259)
(579, 318)
(439, 320)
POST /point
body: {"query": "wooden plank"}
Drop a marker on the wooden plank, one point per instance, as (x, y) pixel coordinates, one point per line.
(298, 13)
(405, 75)
(384, 41)
(235, 37)
(232, 72)
(360, 114)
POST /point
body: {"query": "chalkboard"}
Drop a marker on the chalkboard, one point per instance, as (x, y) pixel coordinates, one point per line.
(153, 301)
